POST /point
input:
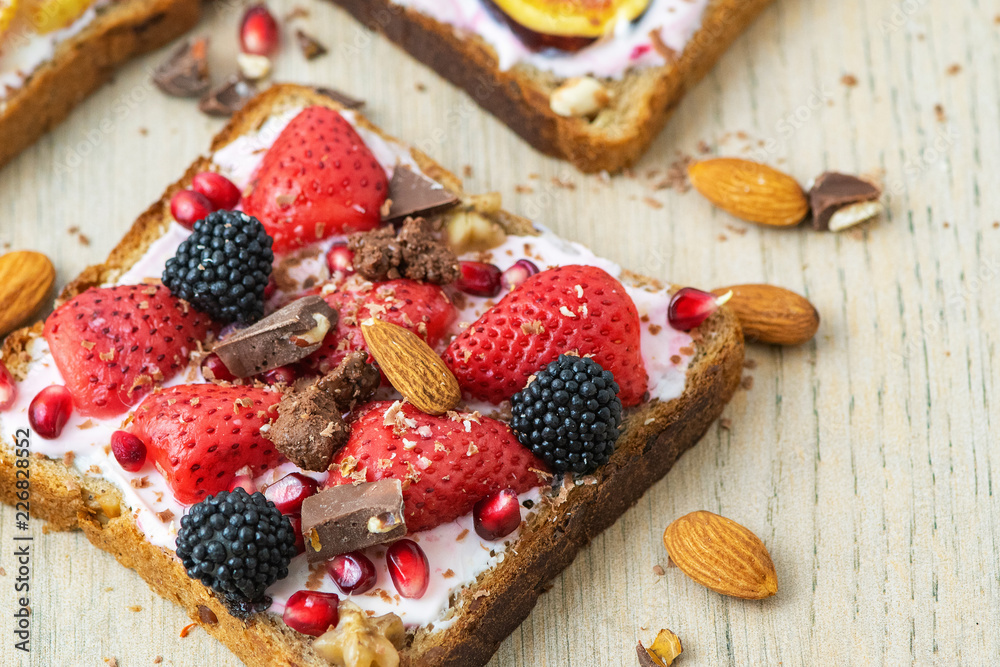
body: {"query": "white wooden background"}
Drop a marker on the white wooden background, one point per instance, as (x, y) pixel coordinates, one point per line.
(864, 460)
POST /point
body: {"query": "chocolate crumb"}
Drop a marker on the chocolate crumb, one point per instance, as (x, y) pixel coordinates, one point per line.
(415, 253)
(658, 570)
(726, 423)
(309, 45)
(467, 171)
(939, 113)
(953, 69)
(227, 98)
(849, 80)
(750, 364)
(747, 383)
(206, 615)
(420, 87)
(185, 71)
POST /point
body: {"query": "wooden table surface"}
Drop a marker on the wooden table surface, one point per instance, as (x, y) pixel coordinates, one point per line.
(864, 459)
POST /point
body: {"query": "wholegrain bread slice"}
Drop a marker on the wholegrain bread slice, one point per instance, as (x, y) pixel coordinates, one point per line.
(642, 101)
(81, 64)
(655, 435)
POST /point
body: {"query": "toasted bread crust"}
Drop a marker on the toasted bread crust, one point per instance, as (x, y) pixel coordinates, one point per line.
(85, 62)
(655, 435)
(644, 99)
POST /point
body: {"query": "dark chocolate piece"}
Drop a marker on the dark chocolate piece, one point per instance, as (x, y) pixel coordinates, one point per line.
(352, 516)
(833, 191)
(343, 99)
(415, 253)
(281, 338)
(645, 660)
(310, 47)
(185, 72)
(414, 194)
(354, 381)
(227, 98)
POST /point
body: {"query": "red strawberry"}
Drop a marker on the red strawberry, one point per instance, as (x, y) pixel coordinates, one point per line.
(422, 308)
(580, 308)
(318, 179)
(114, 344)
(200, 435)
(446, 464)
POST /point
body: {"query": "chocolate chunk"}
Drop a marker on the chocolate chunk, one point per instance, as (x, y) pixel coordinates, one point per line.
(343, 99)
(311, 48)
(309, 429)
(227, 98)
(352, 516)
(832, 192)
(281, 338)
(414, 194)
(185, 72)
(645, 659)
(415, 253)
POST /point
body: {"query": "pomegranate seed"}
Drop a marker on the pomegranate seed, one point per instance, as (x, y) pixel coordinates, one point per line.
(300, 543)
(280, 375)
(213, 368)
(221, 192)
(129, 451)
(340, 260)
(690, 307)
(479, 279)
(8, 389)
(288, 492)
(497, 515)
(517, 274)
(188, 207)
(50, 410)
(408, 568)
(312, 612)
(354, 573)
(259, 31)
(245, 482)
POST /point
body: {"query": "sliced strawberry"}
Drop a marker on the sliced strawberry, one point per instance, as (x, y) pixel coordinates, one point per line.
(200, 435)
(581, 308)
(422, 308)
(446, 464)
(317, 179)
(114, 344)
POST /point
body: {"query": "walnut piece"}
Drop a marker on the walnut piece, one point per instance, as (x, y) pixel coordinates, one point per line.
(359, 641)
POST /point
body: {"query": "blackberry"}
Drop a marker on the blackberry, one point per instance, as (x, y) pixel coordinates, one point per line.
(569, 415)
(223, 268)
(237, 545)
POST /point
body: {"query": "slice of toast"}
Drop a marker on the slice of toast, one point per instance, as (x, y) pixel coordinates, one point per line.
(120, 31)
(655, 434)
(641, 101)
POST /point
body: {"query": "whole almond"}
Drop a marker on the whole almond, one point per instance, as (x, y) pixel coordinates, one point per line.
(26, 279)
(773, 315)
(722, 555)
(413, 368)
(751, 191)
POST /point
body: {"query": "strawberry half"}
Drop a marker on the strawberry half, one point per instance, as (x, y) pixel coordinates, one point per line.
(114, 344)
(317, 179)
(200, 435)
(446, 464)
(581, 308)
(420, 307)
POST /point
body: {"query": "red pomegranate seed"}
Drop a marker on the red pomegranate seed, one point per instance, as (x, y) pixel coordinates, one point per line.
(188, 207)
(245, 482)
(49, 411)
(288, 492)
(479, 279)
(689, 307)
(259, 31)
(129, 451)
(354, 573)
(497, 515)
(408, 568)
(340, 260)
(312, 612)
(280, 375)
(213, 368)
(300, 543)
(8, 388)
(517, 274)
(219, 190)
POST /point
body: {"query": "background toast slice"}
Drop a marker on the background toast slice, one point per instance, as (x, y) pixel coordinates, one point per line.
(643, 99)
(83, 63)
(655, 435)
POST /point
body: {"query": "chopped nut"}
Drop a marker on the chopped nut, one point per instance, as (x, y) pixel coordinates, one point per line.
(253, 67)
(580, 97)
(359, 641)
(468, 231)
(665, 648)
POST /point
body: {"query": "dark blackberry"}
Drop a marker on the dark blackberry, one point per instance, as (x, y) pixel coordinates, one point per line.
(223, 268)
(569, 415)
(236, 544)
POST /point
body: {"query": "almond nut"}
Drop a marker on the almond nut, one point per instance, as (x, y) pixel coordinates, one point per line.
(751, 191)
(722, 555)
(773, 315)
(26, 279)
(413, 368)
